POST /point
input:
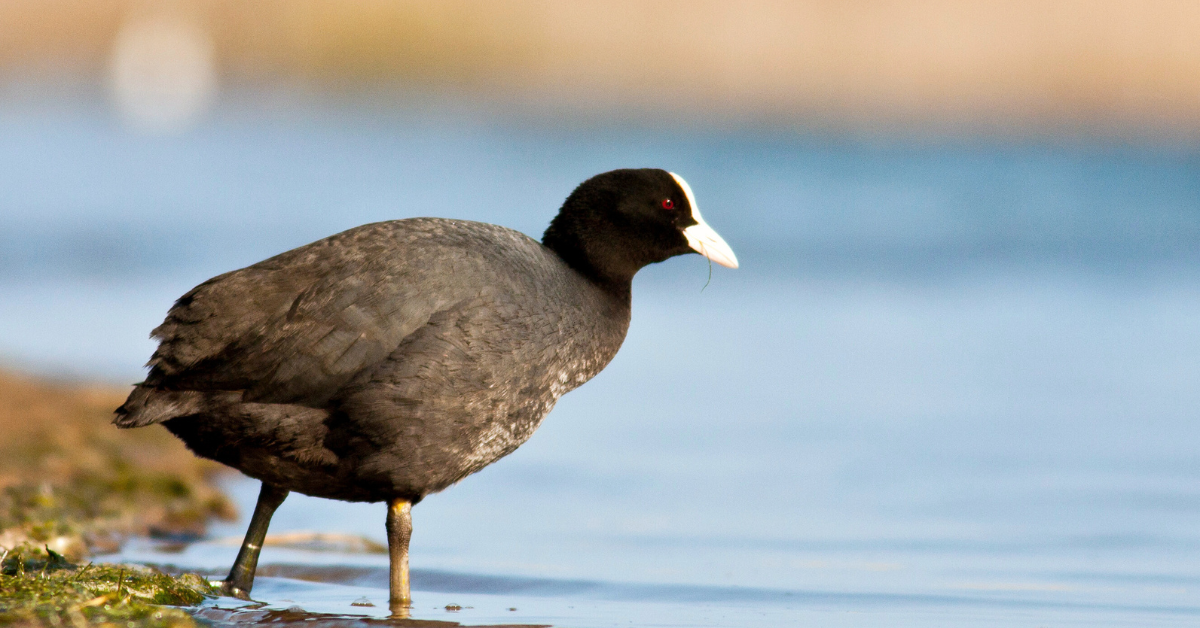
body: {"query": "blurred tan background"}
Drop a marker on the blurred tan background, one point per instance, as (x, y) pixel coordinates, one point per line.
(1094, 66)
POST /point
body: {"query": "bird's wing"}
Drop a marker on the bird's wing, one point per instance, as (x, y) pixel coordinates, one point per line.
(299, 326)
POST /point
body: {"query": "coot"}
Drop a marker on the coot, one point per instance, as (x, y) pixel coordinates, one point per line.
(392, 360)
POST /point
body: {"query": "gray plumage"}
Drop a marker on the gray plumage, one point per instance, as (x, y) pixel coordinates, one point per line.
(390, 360)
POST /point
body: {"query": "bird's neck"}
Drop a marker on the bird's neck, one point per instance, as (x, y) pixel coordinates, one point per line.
(588, 248)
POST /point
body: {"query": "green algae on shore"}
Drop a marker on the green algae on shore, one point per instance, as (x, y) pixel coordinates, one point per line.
(70, 485)
(39, 587)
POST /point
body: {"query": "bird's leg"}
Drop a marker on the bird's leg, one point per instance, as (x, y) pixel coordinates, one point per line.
(241, 577)
(399, 531)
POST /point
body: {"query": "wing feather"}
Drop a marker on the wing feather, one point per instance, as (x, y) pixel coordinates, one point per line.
(299, 326)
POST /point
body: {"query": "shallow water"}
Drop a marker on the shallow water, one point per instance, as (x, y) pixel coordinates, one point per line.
(950, 385)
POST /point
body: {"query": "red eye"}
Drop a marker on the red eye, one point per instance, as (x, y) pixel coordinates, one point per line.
(668, 204)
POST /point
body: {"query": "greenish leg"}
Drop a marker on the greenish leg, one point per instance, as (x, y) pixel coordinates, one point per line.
(241, 577)
(399, 531)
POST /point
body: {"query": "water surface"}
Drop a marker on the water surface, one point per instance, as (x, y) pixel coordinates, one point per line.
(952, 384)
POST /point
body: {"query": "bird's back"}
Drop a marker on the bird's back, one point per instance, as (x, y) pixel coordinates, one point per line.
(388, 360)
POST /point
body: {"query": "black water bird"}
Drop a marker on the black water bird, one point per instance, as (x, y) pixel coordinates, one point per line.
(392, 360)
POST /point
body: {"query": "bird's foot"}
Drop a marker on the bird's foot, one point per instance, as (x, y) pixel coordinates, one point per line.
(232, 590)
(401, 609)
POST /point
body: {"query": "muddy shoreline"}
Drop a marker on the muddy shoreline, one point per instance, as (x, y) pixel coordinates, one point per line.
(71, 487)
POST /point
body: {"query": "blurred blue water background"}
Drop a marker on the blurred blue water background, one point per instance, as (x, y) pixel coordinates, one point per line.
(953, 383)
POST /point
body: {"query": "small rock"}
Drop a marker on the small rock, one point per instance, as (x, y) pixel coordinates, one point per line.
(362, 601)
(453, 608)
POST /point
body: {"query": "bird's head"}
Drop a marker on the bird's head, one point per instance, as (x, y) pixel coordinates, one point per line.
(617, 222)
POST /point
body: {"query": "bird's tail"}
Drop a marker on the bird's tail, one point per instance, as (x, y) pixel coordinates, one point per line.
(147, 405)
